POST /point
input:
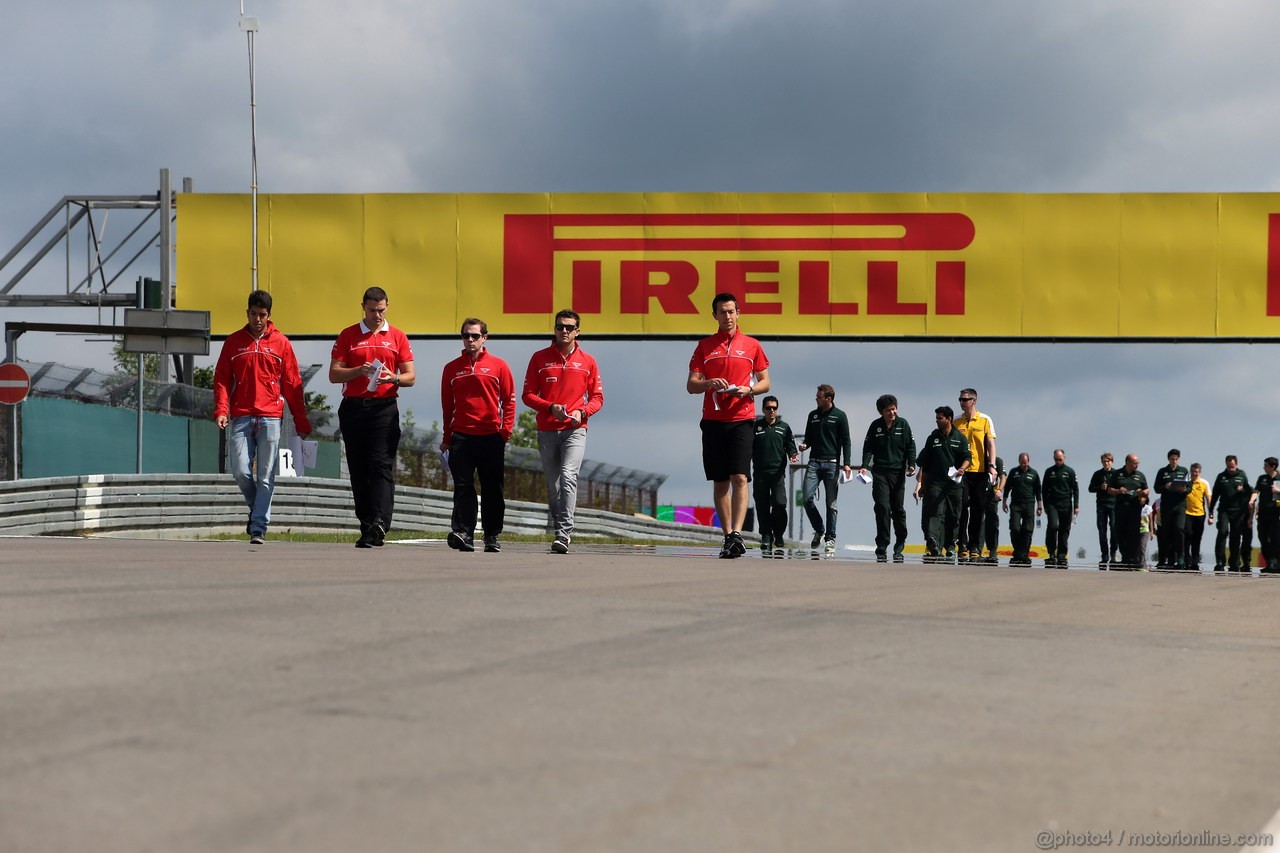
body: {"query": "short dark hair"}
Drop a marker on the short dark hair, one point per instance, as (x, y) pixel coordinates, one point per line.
(766, 400)
(722, 298)
(1231, 458)
(1174, 452)
(945, 410)
(884, 401)
(1272, 461)
(374, 294)
(827, 391)
(568, 313)
(260, 299)
(474, 321)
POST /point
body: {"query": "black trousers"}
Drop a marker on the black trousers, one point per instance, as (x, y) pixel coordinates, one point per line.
(993, 524)
(1233, 547)
(770, 491)
(1108, 542)
(1195, 533)
(975, 506)
(940, 514)
(888, 493)
(1269, 539)
(485, 455)
(1058, 518)
(1128, 517)
(1173, 534)
(371, 435)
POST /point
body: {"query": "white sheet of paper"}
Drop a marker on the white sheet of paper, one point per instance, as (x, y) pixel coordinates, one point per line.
(377, 371)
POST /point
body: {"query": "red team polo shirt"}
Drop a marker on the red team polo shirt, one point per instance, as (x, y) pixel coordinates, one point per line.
(737, 360)
(478, 398)
(358, 345)
(572, 381)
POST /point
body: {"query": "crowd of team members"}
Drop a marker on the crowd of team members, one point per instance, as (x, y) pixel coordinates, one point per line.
(962, 495)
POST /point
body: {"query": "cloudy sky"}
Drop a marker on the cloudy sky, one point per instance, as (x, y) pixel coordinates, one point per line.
(693, 95)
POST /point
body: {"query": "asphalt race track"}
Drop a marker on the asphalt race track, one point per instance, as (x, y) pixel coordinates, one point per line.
(210, 696)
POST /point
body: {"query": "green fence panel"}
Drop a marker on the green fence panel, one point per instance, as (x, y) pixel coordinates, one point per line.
(64, 438)
(202, 437)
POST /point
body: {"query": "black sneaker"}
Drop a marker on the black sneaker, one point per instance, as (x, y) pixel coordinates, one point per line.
(491, 545)
(816, 541)
(377, 536)
(725, 552)
(560, 546)
(258, 539)
(459, 541)
(735, 545)
(364, 541)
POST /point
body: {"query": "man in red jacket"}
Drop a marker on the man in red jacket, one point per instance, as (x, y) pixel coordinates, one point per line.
(562, 384)
(256, 373)
(478, 397)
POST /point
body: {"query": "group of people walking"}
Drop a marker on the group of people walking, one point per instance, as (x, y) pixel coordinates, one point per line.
(372, 360)
(960, 481)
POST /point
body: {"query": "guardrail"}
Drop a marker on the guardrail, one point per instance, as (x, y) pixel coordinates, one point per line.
(207, 504)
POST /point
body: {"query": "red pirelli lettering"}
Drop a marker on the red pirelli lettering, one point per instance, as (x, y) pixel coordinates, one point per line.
(530, 245)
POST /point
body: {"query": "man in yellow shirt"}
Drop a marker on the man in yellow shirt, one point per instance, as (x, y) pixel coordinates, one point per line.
(1197, 501)
(980, 431)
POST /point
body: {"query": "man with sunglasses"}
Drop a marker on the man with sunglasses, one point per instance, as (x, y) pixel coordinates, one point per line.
(562, 385)
(775, 444)
(980, 431)
(373, 361)
(478, 400)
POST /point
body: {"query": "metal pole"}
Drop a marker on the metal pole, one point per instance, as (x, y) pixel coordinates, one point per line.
(166, 259)
(11, 355)
(141, 386)
(249, 26)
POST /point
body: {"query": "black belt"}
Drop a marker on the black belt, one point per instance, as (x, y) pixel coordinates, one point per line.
(368, 402)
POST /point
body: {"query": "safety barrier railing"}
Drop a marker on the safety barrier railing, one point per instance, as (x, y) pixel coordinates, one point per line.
(208, 504)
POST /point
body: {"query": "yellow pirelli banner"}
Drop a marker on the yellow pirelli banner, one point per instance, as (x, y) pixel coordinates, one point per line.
(913, 265)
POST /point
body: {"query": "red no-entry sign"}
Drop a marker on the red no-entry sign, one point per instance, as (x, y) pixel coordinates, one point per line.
(14, 383)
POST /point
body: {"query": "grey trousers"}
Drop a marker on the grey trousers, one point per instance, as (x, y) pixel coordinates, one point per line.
(562, 452)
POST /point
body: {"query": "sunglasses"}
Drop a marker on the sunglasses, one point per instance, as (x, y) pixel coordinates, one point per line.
(561, 327)
(472, 336)
(967, 399)
(771, 408)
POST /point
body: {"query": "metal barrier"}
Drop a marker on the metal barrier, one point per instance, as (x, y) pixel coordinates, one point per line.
(208, 504)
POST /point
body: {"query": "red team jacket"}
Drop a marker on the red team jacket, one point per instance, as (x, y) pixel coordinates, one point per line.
(572, 381)
(477, 398)
(257, 376)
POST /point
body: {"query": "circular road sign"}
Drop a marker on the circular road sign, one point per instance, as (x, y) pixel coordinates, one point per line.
(14, 383)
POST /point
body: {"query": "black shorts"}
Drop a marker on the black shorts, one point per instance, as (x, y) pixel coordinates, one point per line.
(726, 448)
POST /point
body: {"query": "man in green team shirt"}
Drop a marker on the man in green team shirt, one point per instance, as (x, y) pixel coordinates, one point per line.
(1022, 500)
(889, 451)
(827, 434)
(1108, 546)
(941, 466)
(1061, 506)
(1172, 483)
(1231, 490)
(1128, 486)
(773, 446)
(1266, 502)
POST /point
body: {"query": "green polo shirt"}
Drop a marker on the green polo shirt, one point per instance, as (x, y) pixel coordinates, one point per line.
(941, 453)
(1022, 487)
(1061, 487)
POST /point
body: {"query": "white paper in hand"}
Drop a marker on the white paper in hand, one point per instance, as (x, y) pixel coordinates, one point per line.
(955, 474)
(846, 477)
(377, 372)
(865, 477)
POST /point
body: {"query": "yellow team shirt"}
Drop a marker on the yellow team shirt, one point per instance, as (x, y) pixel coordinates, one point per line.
(976, 429)
(1198, 497)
